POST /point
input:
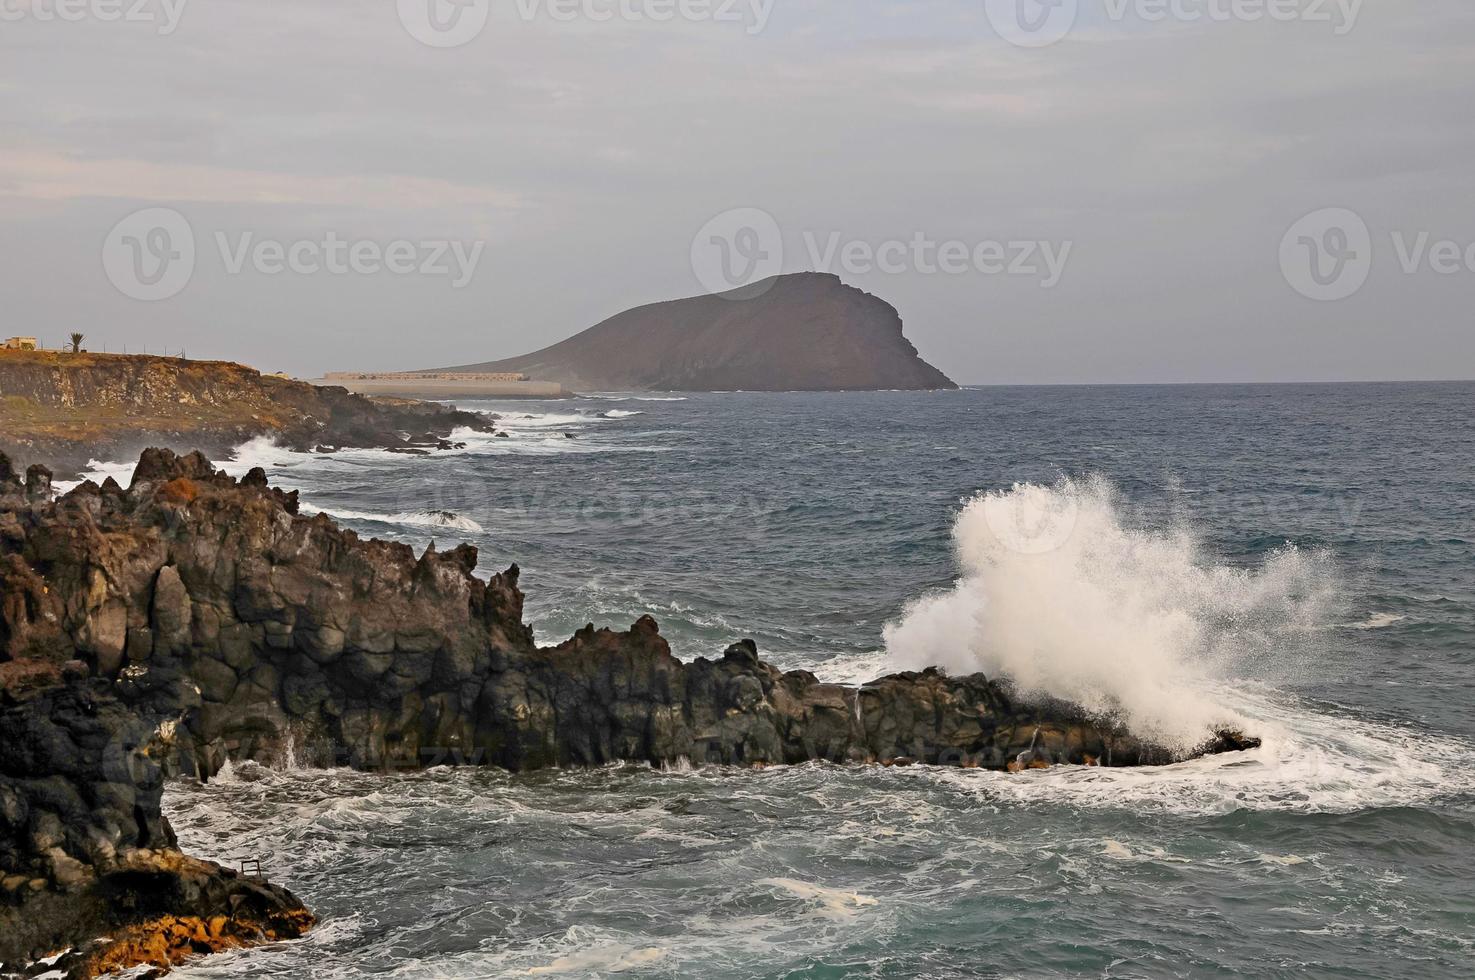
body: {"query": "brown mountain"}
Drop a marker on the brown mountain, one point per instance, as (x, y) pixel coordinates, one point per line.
(805, 332)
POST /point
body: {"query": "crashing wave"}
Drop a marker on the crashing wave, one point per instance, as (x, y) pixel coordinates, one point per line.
(1062, 596)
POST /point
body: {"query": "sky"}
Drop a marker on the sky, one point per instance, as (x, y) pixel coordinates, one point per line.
(1094, 191)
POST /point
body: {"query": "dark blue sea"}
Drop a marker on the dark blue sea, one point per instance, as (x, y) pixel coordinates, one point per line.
(1297, 560)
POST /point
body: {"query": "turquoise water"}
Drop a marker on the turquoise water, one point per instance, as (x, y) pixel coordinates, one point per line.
(1295, 558)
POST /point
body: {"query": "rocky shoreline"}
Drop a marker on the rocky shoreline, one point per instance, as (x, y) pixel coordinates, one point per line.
(64, 410)
(89, 866)
(192, 618)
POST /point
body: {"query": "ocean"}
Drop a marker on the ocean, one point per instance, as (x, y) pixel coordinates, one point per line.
(1294, 559)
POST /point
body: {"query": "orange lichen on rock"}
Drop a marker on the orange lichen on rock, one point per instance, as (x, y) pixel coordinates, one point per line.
(180, 491)
(1014, 765)
(169, 941)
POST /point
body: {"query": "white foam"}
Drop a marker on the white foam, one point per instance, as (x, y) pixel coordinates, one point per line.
(97, 472)
(613, 959)
(1377, 621)
(854, 670)
(539, 435)
(514, 422)
(1312, 761)
(263, 452)
(528, 433)
(1118, 851)
(548, 433)
(830, 903)
(1284, 860)
(1060, 595)
(420, 518)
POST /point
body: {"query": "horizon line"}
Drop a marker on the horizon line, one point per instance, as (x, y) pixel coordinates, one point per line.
(1186, 384)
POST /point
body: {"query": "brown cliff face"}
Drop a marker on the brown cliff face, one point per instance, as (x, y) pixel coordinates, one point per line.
(66, 409)
(806, 332)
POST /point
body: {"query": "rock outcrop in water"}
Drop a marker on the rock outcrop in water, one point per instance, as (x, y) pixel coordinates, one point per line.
(192, 618)
(66, 409)
(804, 332)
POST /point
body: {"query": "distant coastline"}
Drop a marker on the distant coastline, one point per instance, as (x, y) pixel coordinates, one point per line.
(70, 408)
(442, 385)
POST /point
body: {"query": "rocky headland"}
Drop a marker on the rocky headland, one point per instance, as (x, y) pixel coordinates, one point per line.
(65, 409)
(802, 332)
(191, 619)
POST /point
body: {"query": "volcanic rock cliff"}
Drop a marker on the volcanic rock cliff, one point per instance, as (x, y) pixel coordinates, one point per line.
(804, 332)
(213, 603)
(192, 618)
(88, 863)
(65, 409)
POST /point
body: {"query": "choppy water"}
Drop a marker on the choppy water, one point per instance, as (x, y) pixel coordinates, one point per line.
(1346, 846)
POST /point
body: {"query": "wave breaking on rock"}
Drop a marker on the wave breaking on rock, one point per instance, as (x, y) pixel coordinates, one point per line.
(194, 619)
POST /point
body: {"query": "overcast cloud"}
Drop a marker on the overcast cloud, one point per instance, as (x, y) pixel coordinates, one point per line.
(572, 160)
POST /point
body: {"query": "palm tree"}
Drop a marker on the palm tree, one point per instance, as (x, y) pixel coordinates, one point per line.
(77, 343)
